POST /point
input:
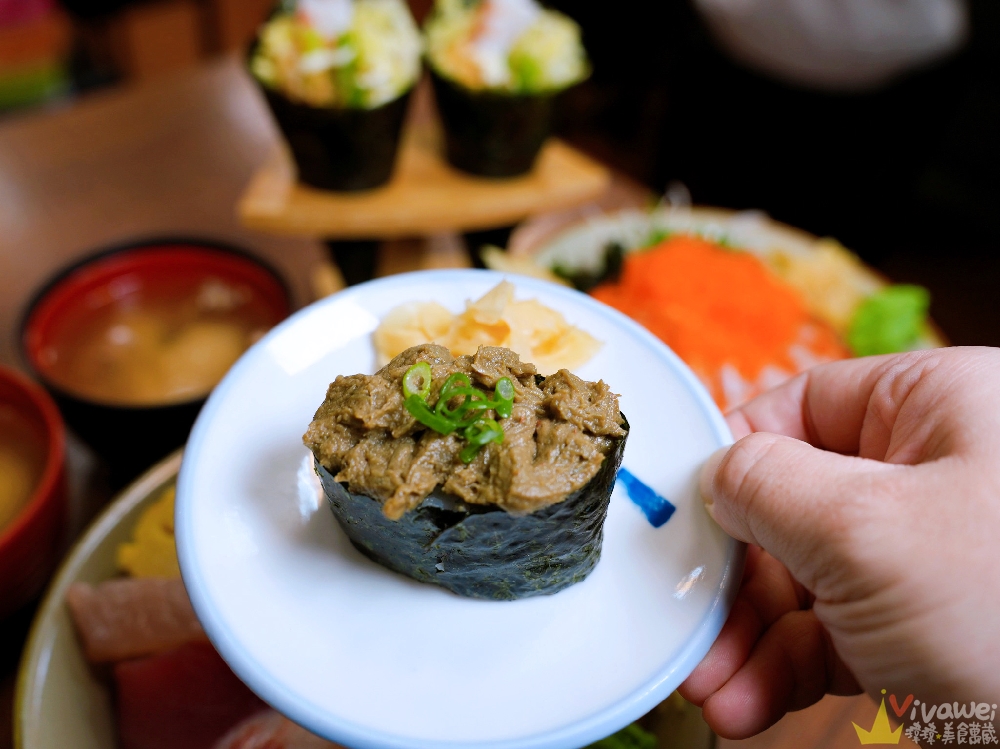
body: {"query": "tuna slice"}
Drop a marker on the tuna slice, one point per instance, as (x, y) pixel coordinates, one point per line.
(129, 618)
(186, 698)
(269, 730)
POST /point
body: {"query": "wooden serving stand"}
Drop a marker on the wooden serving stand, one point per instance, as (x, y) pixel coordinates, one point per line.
(425, 197)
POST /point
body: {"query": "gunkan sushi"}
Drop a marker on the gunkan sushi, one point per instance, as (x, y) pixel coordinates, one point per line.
(337, 75)
(473, 472)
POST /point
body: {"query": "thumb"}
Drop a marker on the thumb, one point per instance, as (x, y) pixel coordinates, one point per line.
(803, 505)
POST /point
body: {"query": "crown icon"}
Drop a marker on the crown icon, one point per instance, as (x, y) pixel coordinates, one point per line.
(881, 732)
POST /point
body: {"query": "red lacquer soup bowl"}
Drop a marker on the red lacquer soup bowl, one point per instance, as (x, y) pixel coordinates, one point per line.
(32, 489)
(131, 341)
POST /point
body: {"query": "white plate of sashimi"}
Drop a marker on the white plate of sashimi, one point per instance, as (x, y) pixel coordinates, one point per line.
(373, 659)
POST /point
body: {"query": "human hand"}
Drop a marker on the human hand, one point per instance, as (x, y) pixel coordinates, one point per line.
(870, 492)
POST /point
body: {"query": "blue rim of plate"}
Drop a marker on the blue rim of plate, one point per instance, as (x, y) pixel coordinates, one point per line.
(572, 736)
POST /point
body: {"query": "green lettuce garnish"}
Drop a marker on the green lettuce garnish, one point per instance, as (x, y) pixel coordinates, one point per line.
(630, 737)
(889, 321)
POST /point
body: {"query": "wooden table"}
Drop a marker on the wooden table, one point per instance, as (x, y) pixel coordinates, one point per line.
(165, 158)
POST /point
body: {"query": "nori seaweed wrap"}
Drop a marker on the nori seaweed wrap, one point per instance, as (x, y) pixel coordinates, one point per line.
(482, 551)
(492, 133)
(341, 149)
(474, 548)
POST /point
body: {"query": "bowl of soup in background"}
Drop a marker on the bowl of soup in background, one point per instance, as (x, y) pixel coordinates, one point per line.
(131, 341)
(32, 489)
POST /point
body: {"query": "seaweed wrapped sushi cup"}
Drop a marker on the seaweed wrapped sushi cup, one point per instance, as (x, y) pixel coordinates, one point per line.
(341, 149)
(497, 67)
(492, 133)
(472, 542)
(337, 75)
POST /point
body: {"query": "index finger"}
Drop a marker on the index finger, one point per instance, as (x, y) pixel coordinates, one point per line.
(825, 406)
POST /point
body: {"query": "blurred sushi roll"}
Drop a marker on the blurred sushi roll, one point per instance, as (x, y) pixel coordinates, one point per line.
(337, 76)
(516, 514)
(497, 66)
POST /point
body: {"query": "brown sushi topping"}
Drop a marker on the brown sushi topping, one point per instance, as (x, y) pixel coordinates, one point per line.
(554, 441)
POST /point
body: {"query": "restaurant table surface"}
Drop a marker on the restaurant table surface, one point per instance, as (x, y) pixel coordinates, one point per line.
(171, 159)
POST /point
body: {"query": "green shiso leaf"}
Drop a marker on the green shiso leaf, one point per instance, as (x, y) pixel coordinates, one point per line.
(630, 737)
(889, 321)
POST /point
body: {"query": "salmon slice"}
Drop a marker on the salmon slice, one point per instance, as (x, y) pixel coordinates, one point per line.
(270, 730)
(185, 698)
(129, 618)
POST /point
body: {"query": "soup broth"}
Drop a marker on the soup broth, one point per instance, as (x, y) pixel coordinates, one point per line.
(22, 461)
(143, 346)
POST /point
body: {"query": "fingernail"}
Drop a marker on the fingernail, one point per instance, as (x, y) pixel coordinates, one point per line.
(707, 476)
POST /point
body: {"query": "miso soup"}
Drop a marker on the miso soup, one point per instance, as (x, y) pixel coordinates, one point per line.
(143, 344)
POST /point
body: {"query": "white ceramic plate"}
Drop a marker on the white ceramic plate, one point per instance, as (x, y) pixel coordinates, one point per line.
(374, 660)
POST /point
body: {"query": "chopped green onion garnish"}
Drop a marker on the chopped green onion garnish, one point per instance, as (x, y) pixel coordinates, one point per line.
(467, 416)
(472, 413)
(482, 432)
(455, 413)
(422, 413)
(457, 384)
(417, 381)
(504, 391)
(454, 381)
